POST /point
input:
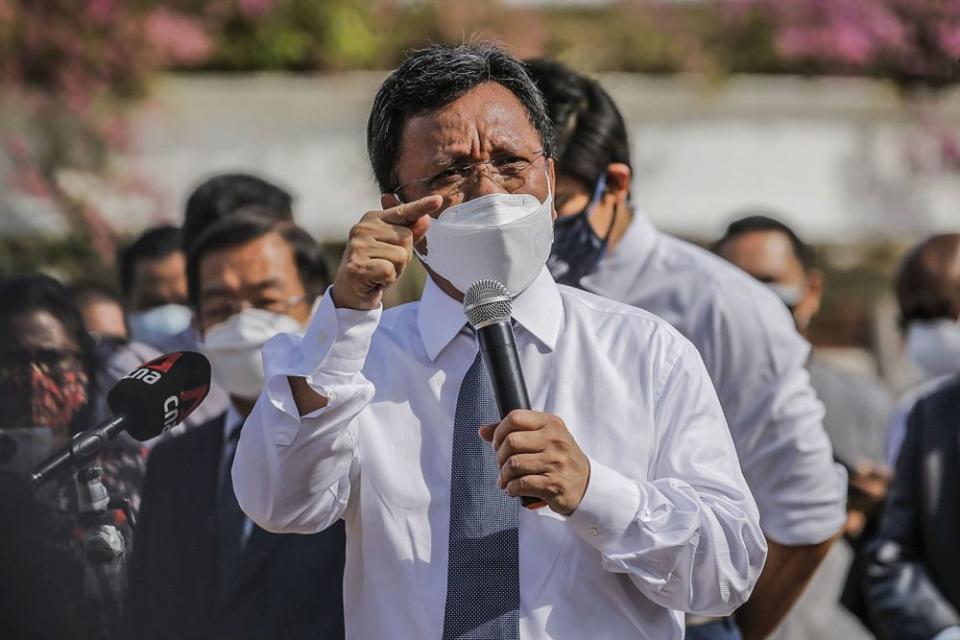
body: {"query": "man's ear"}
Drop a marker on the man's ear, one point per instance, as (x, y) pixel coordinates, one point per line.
(388, 201)
(618, 181)
(815, 284)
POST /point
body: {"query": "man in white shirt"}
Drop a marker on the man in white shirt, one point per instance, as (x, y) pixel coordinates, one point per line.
(376, 417)
(749, 345)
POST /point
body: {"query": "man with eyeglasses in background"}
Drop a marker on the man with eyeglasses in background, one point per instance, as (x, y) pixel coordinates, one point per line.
(386, 419)
(200, 569)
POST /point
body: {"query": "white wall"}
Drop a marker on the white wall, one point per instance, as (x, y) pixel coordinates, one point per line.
(828, 153)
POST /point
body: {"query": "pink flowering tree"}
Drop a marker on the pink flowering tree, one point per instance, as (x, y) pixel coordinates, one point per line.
(69, 69)
(913, 43)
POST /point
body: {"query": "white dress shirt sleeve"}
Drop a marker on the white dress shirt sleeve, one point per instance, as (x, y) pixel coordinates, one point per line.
(689, 536)
(293, 473)
(759, 362)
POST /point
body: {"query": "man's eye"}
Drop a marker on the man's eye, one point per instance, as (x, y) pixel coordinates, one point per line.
(448, 175)
(511, 165)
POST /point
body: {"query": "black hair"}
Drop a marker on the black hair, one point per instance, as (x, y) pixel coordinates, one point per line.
(588, 129)
(152, 244)
(250, 223)
(759, 222)
(86, 291)
(225, 194)
(434, 77)
(927, 282)
(39, 292)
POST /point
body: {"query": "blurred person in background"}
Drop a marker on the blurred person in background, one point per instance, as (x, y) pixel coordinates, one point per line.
(153, 283)
(752, 351)
(858, 408)
(201, 569)
(153, 280)
(102, 311)
(223, 195)
(105, 319)
(927, 286)
(48, 370)
(913, 579)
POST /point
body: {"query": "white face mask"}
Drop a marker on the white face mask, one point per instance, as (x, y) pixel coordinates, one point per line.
(233, 348)
(502, 236)
(934, 345)
(160, 323)
(790, 295)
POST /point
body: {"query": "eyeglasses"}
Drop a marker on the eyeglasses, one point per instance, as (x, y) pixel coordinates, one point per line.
(220, 309)
(47, 360)
(508, 172)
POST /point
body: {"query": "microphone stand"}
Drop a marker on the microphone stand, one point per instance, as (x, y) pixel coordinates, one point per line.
(104, 550)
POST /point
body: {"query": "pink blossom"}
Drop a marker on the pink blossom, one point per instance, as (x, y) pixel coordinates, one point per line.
(99, 11)
(949, 37)
(176, 38)
(255, 8)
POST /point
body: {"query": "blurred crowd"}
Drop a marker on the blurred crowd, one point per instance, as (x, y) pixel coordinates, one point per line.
(239, 271)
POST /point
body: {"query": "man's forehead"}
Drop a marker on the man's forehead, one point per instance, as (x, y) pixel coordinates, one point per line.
(268, 254)
(486, 117)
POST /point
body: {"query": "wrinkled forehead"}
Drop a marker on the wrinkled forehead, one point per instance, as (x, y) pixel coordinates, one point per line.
(487, 120)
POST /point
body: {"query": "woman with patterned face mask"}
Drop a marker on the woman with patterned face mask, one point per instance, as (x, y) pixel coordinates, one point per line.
(47, 375)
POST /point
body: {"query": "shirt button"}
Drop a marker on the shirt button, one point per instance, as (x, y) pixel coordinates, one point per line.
(321, 337)
(593, 531)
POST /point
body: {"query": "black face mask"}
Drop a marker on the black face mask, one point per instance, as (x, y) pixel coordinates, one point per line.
(577, 249)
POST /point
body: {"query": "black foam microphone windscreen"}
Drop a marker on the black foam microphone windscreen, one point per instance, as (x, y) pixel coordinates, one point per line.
(161, 393)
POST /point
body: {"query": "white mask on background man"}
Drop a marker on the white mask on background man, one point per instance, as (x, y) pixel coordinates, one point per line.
(233, 348)
(158, 324)
(934, 345)
(501, 236)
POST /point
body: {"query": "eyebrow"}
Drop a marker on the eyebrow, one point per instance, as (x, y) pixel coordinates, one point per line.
(447, 159)
(258, 286)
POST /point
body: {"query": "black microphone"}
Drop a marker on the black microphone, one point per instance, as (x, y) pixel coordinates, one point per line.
(152, 398)
(487, 305)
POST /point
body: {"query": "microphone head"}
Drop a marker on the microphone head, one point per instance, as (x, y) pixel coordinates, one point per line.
(486, 302)
(161, 393)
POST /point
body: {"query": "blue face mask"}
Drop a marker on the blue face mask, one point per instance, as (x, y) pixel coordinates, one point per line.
(577, 249)
(160, 323)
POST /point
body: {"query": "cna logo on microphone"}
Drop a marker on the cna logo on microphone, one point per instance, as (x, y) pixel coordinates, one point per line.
(152, 372)
(184, 405)
(178, 383)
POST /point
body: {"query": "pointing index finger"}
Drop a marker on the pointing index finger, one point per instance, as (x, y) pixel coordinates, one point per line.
(408, 213)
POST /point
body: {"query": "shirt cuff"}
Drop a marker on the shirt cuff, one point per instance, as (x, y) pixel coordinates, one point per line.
(337, 339)
(950, 633)
(331, 351)
(609, 506)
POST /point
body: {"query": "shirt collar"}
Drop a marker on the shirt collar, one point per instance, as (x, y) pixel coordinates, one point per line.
(538, 310)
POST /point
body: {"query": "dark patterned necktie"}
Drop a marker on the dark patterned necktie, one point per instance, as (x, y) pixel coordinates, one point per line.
(483, 582)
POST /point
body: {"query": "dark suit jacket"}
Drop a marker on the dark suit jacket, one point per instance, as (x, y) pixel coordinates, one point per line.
(286, 586)
(913, 577)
